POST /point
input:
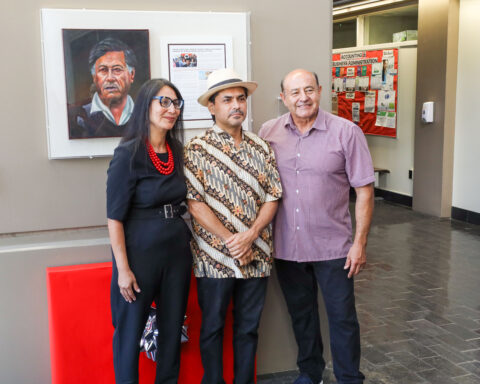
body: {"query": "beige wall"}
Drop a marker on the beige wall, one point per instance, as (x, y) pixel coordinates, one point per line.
(37, 193)
(466, 177)
(25, 351)
(41, 194)
(436, 74)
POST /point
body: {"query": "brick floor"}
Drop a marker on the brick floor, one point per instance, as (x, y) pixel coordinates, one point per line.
(418, 301)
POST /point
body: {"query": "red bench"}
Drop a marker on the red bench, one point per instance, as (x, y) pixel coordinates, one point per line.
(81, 330)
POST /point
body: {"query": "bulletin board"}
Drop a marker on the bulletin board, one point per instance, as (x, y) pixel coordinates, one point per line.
(364, 89)
(231, 29)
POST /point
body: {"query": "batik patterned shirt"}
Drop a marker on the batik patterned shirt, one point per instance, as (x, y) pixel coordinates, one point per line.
(234, 183)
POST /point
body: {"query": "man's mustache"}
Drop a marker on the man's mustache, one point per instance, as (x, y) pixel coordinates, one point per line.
(110, 85)
(236, 111)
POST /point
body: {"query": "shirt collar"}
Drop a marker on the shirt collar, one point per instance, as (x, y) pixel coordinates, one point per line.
(318, 124)
(219, 131)
(226, 139)
(98, 106)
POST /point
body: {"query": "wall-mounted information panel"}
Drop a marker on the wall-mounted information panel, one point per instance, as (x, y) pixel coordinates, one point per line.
(364, 89)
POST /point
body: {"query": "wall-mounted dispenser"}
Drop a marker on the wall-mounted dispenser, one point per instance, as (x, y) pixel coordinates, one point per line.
(427, 112)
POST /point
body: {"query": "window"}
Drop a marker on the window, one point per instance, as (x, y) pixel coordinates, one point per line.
(345, 34)
(375, 27)
(380, 27)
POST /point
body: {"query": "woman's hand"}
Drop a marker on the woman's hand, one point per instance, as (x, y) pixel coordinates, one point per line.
(128, 284)
(126, 279)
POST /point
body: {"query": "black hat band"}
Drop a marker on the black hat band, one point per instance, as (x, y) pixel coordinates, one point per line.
(226, 82)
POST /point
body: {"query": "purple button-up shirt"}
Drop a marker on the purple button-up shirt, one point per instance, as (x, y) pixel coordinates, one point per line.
(317, 169)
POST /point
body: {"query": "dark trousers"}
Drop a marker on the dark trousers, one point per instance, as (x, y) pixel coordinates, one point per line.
(248, 298)
(299, 285)
(166, 283)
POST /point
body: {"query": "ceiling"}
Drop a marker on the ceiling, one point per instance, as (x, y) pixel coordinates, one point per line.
(344, 2)
(342, 9)
(409, 11)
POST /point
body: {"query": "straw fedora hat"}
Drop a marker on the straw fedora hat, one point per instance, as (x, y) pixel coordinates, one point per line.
(222, 79)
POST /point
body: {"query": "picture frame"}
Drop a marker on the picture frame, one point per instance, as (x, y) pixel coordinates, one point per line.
(104, 70)
(209, 27)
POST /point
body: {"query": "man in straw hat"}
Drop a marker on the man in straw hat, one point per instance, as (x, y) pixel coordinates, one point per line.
(233, 188)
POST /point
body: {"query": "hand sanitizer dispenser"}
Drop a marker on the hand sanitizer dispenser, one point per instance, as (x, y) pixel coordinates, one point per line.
(427, 112)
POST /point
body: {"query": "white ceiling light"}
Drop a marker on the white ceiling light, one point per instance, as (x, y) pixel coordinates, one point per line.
(360, 6)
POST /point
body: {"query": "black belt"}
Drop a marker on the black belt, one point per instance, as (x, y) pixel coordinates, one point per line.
(167, 211)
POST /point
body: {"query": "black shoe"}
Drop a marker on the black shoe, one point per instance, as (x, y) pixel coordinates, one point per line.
(304, 379)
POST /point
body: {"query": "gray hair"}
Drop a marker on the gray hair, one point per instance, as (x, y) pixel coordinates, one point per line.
(111, 45)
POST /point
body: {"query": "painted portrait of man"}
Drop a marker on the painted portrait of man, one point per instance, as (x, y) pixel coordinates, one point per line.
(114, 73)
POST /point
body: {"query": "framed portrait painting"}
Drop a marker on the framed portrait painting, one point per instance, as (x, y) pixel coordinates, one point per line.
(93, 68)
(104, 70)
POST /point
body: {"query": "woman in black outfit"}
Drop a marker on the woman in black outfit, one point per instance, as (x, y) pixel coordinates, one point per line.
(150, 241)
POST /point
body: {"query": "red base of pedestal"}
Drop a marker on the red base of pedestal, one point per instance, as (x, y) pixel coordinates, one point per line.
(81, 330)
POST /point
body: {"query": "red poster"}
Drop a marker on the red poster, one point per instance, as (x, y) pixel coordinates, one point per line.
(364, 86)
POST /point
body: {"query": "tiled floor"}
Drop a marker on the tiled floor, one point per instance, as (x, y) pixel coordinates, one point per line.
(418, 301)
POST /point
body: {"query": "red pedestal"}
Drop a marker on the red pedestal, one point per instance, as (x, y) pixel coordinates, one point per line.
(81, 330)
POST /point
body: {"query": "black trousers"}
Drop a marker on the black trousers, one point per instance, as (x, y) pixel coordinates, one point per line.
(248, 298)
(166, 282)
(299, 285)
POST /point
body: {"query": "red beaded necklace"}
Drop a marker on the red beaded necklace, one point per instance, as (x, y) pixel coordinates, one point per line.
(165, 168)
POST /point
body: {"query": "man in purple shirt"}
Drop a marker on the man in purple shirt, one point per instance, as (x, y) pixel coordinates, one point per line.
(320, 156)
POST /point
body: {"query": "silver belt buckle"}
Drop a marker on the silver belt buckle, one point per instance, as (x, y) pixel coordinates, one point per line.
(168, 211)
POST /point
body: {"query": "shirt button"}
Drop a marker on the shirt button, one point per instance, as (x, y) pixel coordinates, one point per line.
(297, 210)
(298, 172)
(298, 228)
(297, 191)
(298, 154)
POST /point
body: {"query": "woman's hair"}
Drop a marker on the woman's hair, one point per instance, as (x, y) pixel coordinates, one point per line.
(138, 128)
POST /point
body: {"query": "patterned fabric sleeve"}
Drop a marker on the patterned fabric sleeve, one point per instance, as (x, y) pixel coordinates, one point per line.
(274, 189)
(194, 172)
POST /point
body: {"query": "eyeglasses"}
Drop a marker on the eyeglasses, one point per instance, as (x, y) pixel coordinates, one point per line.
(165, 102)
